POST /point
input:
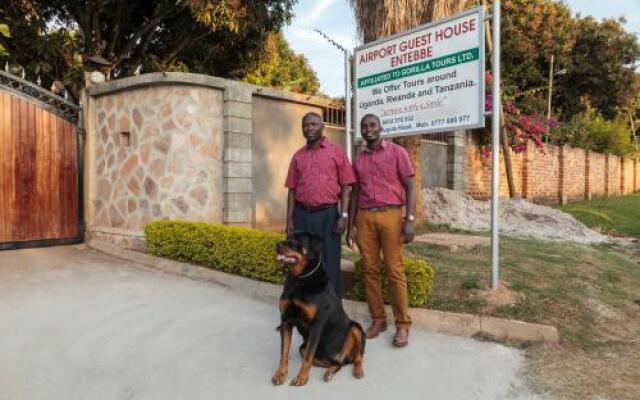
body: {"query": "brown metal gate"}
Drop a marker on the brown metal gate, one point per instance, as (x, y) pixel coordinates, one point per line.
(39, 169)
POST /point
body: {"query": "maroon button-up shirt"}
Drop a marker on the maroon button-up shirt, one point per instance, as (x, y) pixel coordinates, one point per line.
(317, 174)
(380, 174)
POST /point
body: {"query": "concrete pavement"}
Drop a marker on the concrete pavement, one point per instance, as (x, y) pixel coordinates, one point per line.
(78, 324)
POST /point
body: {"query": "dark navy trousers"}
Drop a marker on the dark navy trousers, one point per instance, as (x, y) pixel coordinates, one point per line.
(322, 223)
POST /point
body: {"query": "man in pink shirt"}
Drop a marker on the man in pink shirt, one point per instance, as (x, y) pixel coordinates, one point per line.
(385, 183)
(319, 179)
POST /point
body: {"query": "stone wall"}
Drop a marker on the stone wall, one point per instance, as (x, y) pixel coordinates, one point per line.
(158, 154)
(189, 147)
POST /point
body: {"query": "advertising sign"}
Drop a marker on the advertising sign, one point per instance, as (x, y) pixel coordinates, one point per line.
(430, 79)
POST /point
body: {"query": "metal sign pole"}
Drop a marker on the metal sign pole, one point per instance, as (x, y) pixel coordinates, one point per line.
(495, 145)
(347, 104)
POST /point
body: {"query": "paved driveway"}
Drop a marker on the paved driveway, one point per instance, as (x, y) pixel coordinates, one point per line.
(78, 324)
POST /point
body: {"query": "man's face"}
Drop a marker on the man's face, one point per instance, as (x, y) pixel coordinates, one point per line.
(312, 128)
(370, 129)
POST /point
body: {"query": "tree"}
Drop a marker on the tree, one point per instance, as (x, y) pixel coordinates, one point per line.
(282, 68)
(59, 39)
(533, 31)
(380, 18)
(601, 68)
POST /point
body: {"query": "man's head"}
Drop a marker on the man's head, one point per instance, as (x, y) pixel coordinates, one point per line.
(370, 128)
(312, 127)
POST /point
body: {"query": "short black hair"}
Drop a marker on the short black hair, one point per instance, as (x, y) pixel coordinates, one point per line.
(312, 114)
(371, 116)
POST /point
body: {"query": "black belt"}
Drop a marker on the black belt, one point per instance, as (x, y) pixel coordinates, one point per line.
(383, 208)
(316, 208)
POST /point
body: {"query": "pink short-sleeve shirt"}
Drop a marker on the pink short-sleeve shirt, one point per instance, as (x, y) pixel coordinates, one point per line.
(380, 174)
(316, 175)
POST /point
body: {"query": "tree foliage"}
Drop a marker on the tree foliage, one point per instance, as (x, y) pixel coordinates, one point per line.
(58, 39)
(531, 32)
(283, 69)
(597, 58)
(601, 68)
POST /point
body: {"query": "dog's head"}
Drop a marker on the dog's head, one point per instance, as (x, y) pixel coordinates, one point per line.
(299, 250)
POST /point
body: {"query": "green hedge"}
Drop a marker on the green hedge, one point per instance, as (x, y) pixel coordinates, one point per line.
(251, 253)
(420, 278)
(240, 251)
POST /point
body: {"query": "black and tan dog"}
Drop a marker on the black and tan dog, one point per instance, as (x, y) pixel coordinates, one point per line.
(330, 339)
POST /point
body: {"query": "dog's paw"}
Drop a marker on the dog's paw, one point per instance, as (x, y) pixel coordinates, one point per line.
(358, 372)
(328, 375)
(300, 380)
(279, 377)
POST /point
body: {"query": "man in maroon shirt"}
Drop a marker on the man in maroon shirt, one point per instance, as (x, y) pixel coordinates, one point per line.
(319, 179)
(383, 171)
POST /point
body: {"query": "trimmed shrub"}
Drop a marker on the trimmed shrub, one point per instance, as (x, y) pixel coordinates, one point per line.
(420, 278)
(252, 254)
(240, 251)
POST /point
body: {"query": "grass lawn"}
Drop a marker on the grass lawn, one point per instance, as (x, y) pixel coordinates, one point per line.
(591, 294)
(614, 215)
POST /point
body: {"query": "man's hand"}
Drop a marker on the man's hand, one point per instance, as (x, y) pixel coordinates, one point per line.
(289, 226)
(408, 231)
(351, 238)
(341, 226)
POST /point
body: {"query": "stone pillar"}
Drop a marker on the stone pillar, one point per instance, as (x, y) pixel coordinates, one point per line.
(562, 178)
(623, 179)
(238, 155)
(606, 176)
(456, 142)
(587, 175)
(635, 175)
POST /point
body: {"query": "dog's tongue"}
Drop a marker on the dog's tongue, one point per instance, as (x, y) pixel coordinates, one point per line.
(283, 258)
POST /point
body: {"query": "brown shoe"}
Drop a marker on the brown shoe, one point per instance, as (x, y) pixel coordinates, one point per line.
(401, 338)
(375, 328)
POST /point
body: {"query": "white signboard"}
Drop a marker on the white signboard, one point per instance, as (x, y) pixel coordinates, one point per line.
(430, 79)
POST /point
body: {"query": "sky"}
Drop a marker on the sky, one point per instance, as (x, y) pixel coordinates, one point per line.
(336, 20)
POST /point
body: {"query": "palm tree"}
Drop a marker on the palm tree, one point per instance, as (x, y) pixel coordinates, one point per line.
(380, 18)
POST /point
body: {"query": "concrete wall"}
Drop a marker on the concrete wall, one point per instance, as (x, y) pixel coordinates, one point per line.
(277, 135)
(191, 147)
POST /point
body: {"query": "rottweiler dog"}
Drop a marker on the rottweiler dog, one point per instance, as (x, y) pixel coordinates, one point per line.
(330, 339)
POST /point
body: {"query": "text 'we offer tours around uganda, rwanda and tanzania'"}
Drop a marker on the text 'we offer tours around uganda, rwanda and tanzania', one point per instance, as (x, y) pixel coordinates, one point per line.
(430, 79)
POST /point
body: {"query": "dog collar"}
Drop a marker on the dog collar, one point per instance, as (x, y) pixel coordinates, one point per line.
(312, 271)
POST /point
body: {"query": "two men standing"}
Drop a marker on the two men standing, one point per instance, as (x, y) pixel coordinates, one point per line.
(319, 179)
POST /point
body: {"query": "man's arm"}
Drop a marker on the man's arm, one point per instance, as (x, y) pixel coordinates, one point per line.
(408, 229)
(353, 210)
(341, 224)
(290, 205)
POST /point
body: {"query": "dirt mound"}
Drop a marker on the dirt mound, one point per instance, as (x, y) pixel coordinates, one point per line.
(517, 217)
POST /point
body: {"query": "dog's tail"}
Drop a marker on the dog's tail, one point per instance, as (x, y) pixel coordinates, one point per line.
(363, 335)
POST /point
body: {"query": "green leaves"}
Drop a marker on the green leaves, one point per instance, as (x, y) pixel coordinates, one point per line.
(284, 69)
(240, 251)
(420, 281)
(58, 39)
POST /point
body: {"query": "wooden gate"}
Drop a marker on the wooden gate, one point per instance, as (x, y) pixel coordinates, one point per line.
(39, 167)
